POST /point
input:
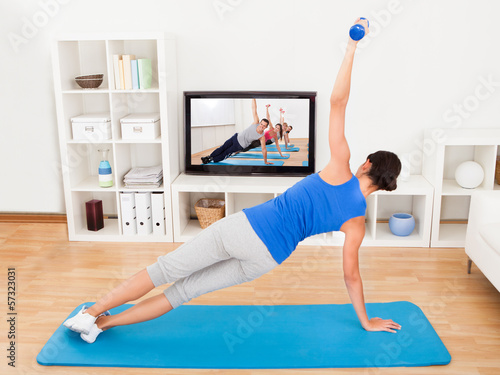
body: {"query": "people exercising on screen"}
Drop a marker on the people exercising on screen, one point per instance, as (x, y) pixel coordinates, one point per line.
(252, 242)
(269, 136)
(239, 140)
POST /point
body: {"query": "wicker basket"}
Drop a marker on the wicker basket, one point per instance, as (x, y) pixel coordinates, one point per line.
(497, 172)
(90, 81)
(209, 211)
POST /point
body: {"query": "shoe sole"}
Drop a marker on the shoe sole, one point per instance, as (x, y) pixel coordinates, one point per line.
(77, 329)
(87, 341)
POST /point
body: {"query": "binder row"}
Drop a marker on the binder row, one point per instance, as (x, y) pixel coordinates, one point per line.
(143, 213)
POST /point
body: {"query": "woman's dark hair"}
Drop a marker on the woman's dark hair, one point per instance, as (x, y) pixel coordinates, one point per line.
(384, 170)
(281, 131)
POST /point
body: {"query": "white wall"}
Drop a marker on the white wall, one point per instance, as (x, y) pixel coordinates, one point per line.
(212, 123)
(426, 64)
(210, 112)
(206, 137)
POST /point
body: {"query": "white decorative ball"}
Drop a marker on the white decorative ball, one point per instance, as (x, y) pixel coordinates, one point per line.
(469, 174)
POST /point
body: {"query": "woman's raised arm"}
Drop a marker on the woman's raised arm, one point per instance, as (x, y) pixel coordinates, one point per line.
(339, 148)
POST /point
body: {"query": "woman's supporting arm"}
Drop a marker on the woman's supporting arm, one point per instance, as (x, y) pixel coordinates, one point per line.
(277, 142)
(264, 149)
(354, 233)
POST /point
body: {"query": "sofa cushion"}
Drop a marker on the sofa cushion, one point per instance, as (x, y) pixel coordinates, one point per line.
(491, 235)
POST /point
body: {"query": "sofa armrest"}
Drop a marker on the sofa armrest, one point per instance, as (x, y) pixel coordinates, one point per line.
(485, 206)
(484, 209)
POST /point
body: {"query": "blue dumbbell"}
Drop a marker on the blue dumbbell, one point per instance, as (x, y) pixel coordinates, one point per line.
(357, 32)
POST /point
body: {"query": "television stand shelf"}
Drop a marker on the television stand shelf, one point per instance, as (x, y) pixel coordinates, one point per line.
(414, 196)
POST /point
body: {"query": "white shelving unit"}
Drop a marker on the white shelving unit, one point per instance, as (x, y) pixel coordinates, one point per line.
(447, 149)
(80, 54)
(414, 196)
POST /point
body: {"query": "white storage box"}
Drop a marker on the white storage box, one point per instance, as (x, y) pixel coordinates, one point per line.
(95, 127)
(141, 126)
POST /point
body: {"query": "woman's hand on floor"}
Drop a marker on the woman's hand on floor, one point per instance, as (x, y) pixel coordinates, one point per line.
(378, 324)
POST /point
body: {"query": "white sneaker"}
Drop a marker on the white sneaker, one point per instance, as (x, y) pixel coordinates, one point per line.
(92, 335)
(81, 322)
(94, 331)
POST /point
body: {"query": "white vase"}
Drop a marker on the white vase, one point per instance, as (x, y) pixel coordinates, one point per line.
(469, 174)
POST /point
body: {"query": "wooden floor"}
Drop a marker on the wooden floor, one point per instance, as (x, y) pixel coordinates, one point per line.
(295, 160)
(54, 276)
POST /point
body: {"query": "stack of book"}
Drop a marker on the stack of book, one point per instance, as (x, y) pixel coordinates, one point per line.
(144, 177)
(131, 73)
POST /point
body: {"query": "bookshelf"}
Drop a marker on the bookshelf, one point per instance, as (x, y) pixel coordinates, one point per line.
(447, 149)
(81, 54)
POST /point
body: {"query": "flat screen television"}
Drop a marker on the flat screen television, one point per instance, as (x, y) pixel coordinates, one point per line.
(214, 118)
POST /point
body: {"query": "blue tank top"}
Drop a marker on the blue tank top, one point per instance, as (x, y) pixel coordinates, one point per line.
(311, 206)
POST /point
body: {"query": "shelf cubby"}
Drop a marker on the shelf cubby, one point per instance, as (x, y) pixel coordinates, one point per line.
(81, 104)
(454, 208)
(83, 168)
(132, 155)
(141, 49)
(187, 221)
(410, 204)
(454, 155)
(109, 208)
(81, 57)
(125, 103)
(413, 197)
(236, 202)
(453, 218)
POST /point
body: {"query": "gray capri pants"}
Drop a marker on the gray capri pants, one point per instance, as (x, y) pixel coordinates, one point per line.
(227, 253)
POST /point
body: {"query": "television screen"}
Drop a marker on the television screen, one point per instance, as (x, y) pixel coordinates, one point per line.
(240, 133)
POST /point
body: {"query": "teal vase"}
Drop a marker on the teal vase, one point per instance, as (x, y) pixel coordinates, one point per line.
(105, 173)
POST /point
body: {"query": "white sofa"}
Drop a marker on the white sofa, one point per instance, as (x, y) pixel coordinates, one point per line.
(482, 243)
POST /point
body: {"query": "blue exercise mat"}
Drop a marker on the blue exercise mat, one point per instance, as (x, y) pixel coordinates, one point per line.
(231, 161)
(244, 337)
(259, 156)
(275, 149)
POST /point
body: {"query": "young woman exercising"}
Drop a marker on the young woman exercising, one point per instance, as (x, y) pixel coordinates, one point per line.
(241, 247)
